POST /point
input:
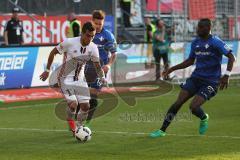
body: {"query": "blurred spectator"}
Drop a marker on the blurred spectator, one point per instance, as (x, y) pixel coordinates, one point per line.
(160, 47)
(126, 11)
(13, 33)
(75, 26)
(150, 29)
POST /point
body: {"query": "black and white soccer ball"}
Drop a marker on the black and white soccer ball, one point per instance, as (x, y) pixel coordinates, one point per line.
(83, 134)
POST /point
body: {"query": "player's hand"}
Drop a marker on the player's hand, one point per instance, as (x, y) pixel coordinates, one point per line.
(104, 82)
(166, 72)
(44, 75)
(224, 82)
(105, 68)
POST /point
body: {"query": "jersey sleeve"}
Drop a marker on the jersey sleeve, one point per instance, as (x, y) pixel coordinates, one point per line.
(222, 47)
(63, 46)
(192, 54)
(111, 44)
(95, 53)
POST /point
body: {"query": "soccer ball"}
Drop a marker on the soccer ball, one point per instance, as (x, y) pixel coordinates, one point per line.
(83, 134)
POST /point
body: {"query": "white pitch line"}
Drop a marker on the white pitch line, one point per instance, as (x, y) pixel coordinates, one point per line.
(27, 106)
(115, 132)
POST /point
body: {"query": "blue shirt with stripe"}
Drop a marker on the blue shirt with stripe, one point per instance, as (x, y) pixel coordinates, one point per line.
(106, 44)
(208, 57)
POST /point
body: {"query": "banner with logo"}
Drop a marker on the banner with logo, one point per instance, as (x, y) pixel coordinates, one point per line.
(50, 29)
(21, 67)
(17, 66)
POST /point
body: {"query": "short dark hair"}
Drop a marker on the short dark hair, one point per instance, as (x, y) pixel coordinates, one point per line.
(98, 14)
(206, 21)
(88, 26)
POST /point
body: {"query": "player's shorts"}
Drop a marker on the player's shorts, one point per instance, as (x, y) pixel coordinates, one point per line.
(203, 88)
(77, 91)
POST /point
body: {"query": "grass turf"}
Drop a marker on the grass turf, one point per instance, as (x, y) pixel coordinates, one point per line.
(34, 132)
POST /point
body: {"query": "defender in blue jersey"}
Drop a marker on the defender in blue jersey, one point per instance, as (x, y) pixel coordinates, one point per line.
(106, 43)
(206, 52)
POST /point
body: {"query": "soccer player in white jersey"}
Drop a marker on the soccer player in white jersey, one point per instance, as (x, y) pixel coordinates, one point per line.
(76, 52)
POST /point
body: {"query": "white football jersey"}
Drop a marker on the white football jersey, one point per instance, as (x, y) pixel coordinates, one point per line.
(75, 57)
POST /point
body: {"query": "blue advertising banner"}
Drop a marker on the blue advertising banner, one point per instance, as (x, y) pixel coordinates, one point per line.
(17, 66)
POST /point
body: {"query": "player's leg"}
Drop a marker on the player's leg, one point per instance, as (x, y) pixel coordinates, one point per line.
(68, 93)
(157, 63)
(183, 96)
(196, 110)
(165, 61)
(93, 106)
(83, 113)
(205, 93)
(83, 96)
(188, 90)
(94, 90)
(195, 107)
(71, 111)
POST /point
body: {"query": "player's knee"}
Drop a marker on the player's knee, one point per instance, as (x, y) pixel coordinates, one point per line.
(84, 107)
(178, 104)
(174, 109)
(73, 105)
(192, 107)
(70, 111)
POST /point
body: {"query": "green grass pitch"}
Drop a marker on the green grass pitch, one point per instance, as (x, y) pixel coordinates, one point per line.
(33, 132)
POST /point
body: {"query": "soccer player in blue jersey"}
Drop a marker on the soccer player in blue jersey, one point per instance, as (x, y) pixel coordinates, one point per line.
(206, 53)
(106, 43)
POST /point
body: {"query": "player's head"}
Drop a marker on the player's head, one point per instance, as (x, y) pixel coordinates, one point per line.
(88, 33)
(204, 27)
(98, 17)
(71, 16)
(15, 12)
(160, 24)
(147, 20)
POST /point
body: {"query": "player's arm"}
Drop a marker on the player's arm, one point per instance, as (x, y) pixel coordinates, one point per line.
(61, 48)
(225, 79)
(6, 37)
(224, 49)
(111, 46)
(99, 70)
(51, 56)
(188, 62)
(96, 62)
(112, 60)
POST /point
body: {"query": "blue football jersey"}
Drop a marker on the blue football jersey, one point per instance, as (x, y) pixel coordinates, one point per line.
(208, 57)
(106, 44)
